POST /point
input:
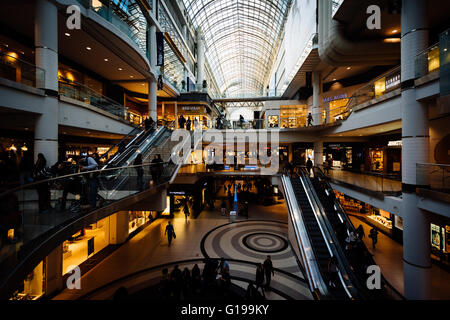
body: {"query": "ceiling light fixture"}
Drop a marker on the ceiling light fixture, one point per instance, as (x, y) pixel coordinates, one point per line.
(106, 60)
(120, 69)
(67, 34)
(88, 48)
(348, 68)
(131, 76)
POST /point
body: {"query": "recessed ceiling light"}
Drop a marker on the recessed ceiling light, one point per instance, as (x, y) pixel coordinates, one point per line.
(106, 60)
(334, 79)
(88, 48)
(394, 31)
(120, 69)
(131, 76)
(348, 68)
(142, 84)
(67, 34)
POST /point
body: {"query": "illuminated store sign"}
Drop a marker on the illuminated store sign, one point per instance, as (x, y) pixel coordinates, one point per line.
(393, 81)
(338, 97)
(397, 143)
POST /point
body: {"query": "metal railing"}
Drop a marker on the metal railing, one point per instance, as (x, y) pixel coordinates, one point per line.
(82, 93)
(33, 213)
(370, 181)
(427, 61)
(388, 289)
(434, 175)
(375, 89)
(17, 70)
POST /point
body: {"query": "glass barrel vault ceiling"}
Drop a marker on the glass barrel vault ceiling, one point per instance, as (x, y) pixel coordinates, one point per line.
(241, 38)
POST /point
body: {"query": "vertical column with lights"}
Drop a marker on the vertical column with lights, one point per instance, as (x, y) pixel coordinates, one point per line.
(200, 59)
(415, 140)
(316, 110)
(152, 83)
(46, 48)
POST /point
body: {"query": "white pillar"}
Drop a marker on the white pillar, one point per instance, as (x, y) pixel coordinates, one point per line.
(415, 137)
(200, 59)
(316, 110)
(118, 227)
(151, 40)
(46, 51)
(318, 153)
(152, 98)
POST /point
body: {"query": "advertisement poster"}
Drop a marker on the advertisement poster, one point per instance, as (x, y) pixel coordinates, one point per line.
(159, 49)
(435, 236)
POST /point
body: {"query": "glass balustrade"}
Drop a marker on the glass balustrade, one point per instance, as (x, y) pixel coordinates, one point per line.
(20, 71)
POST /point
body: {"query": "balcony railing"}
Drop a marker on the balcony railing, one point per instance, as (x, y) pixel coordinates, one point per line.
(376, 88)
(427, 61)
(436, 176)
(80, 92)
(17, 70)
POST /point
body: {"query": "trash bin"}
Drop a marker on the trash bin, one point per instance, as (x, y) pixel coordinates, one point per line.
(232, 216)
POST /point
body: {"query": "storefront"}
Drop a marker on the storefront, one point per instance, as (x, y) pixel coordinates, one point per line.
(347, 156)
(301, 152)
(384, 155)
(33, 286)
(440, 239)
(200, 112)
(336, 105)
(85, 243)
(387, 84)
(293, 116)
(137, 219)
(74, 151)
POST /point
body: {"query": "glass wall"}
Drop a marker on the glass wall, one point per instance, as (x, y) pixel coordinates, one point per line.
(33, 286)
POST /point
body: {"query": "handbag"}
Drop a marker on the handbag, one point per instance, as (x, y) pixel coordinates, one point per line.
(174, 235)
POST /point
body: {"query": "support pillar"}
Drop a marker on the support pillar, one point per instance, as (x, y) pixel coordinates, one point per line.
(46, 53)
(318, 153)
(152, 99)
(316, 110)
(54, 271)
(118, 227)
(415, 138)
(200, 59)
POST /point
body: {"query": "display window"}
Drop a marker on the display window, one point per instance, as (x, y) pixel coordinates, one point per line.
(138, 219)
(380, 87)
(273, 121)
(338, 109)
(382, 217)
(84, 244)
(376, 159)
(133, 117)
(33, 286)
(293, 116)
(433, 60)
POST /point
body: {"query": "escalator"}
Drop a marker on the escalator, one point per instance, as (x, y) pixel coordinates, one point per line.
(358, 258)
(318, 242)
(141, 143)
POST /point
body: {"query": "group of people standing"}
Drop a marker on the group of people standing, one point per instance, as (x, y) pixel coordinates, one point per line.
(188, 124)
(263, 278)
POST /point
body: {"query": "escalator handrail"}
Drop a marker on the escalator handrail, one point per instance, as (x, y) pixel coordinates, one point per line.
(351, 227)
(312, 270)
(131, 133)
(329, 237)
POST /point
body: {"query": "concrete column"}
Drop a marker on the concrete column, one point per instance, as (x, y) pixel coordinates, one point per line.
(316, 109)
(118, 227)
(318, 153)
(151, 44)
(415, 137)
(46, 52)
(152, 99)
(200, 59)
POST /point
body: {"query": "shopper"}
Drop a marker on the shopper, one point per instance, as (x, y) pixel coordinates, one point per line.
(259, 278)
(268, 270)
(310, 119)
(309, 166)
(139, 171)
(360, 232)
(373, 234)
(170, 232)
(43, 188)
(186, 210)
(156, 168)
(332, 271)
(224, 264)
(188, 124)
(181, 122)
(195, 123)
(89, 164)
(26, 168)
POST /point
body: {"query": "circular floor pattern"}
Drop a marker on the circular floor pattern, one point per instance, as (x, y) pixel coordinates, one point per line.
(265, 242)
(253, 240)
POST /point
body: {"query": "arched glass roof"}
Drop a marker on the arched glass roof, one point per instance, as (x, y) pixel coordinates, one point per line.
(241, 37)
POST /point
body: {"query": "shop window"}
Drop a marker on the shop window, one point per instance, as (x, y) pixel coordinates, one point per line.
(138, 219)
(376, 159)
(380, 87)
(85, 243)
(433, 60)
(33, 285)
(273, 121)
